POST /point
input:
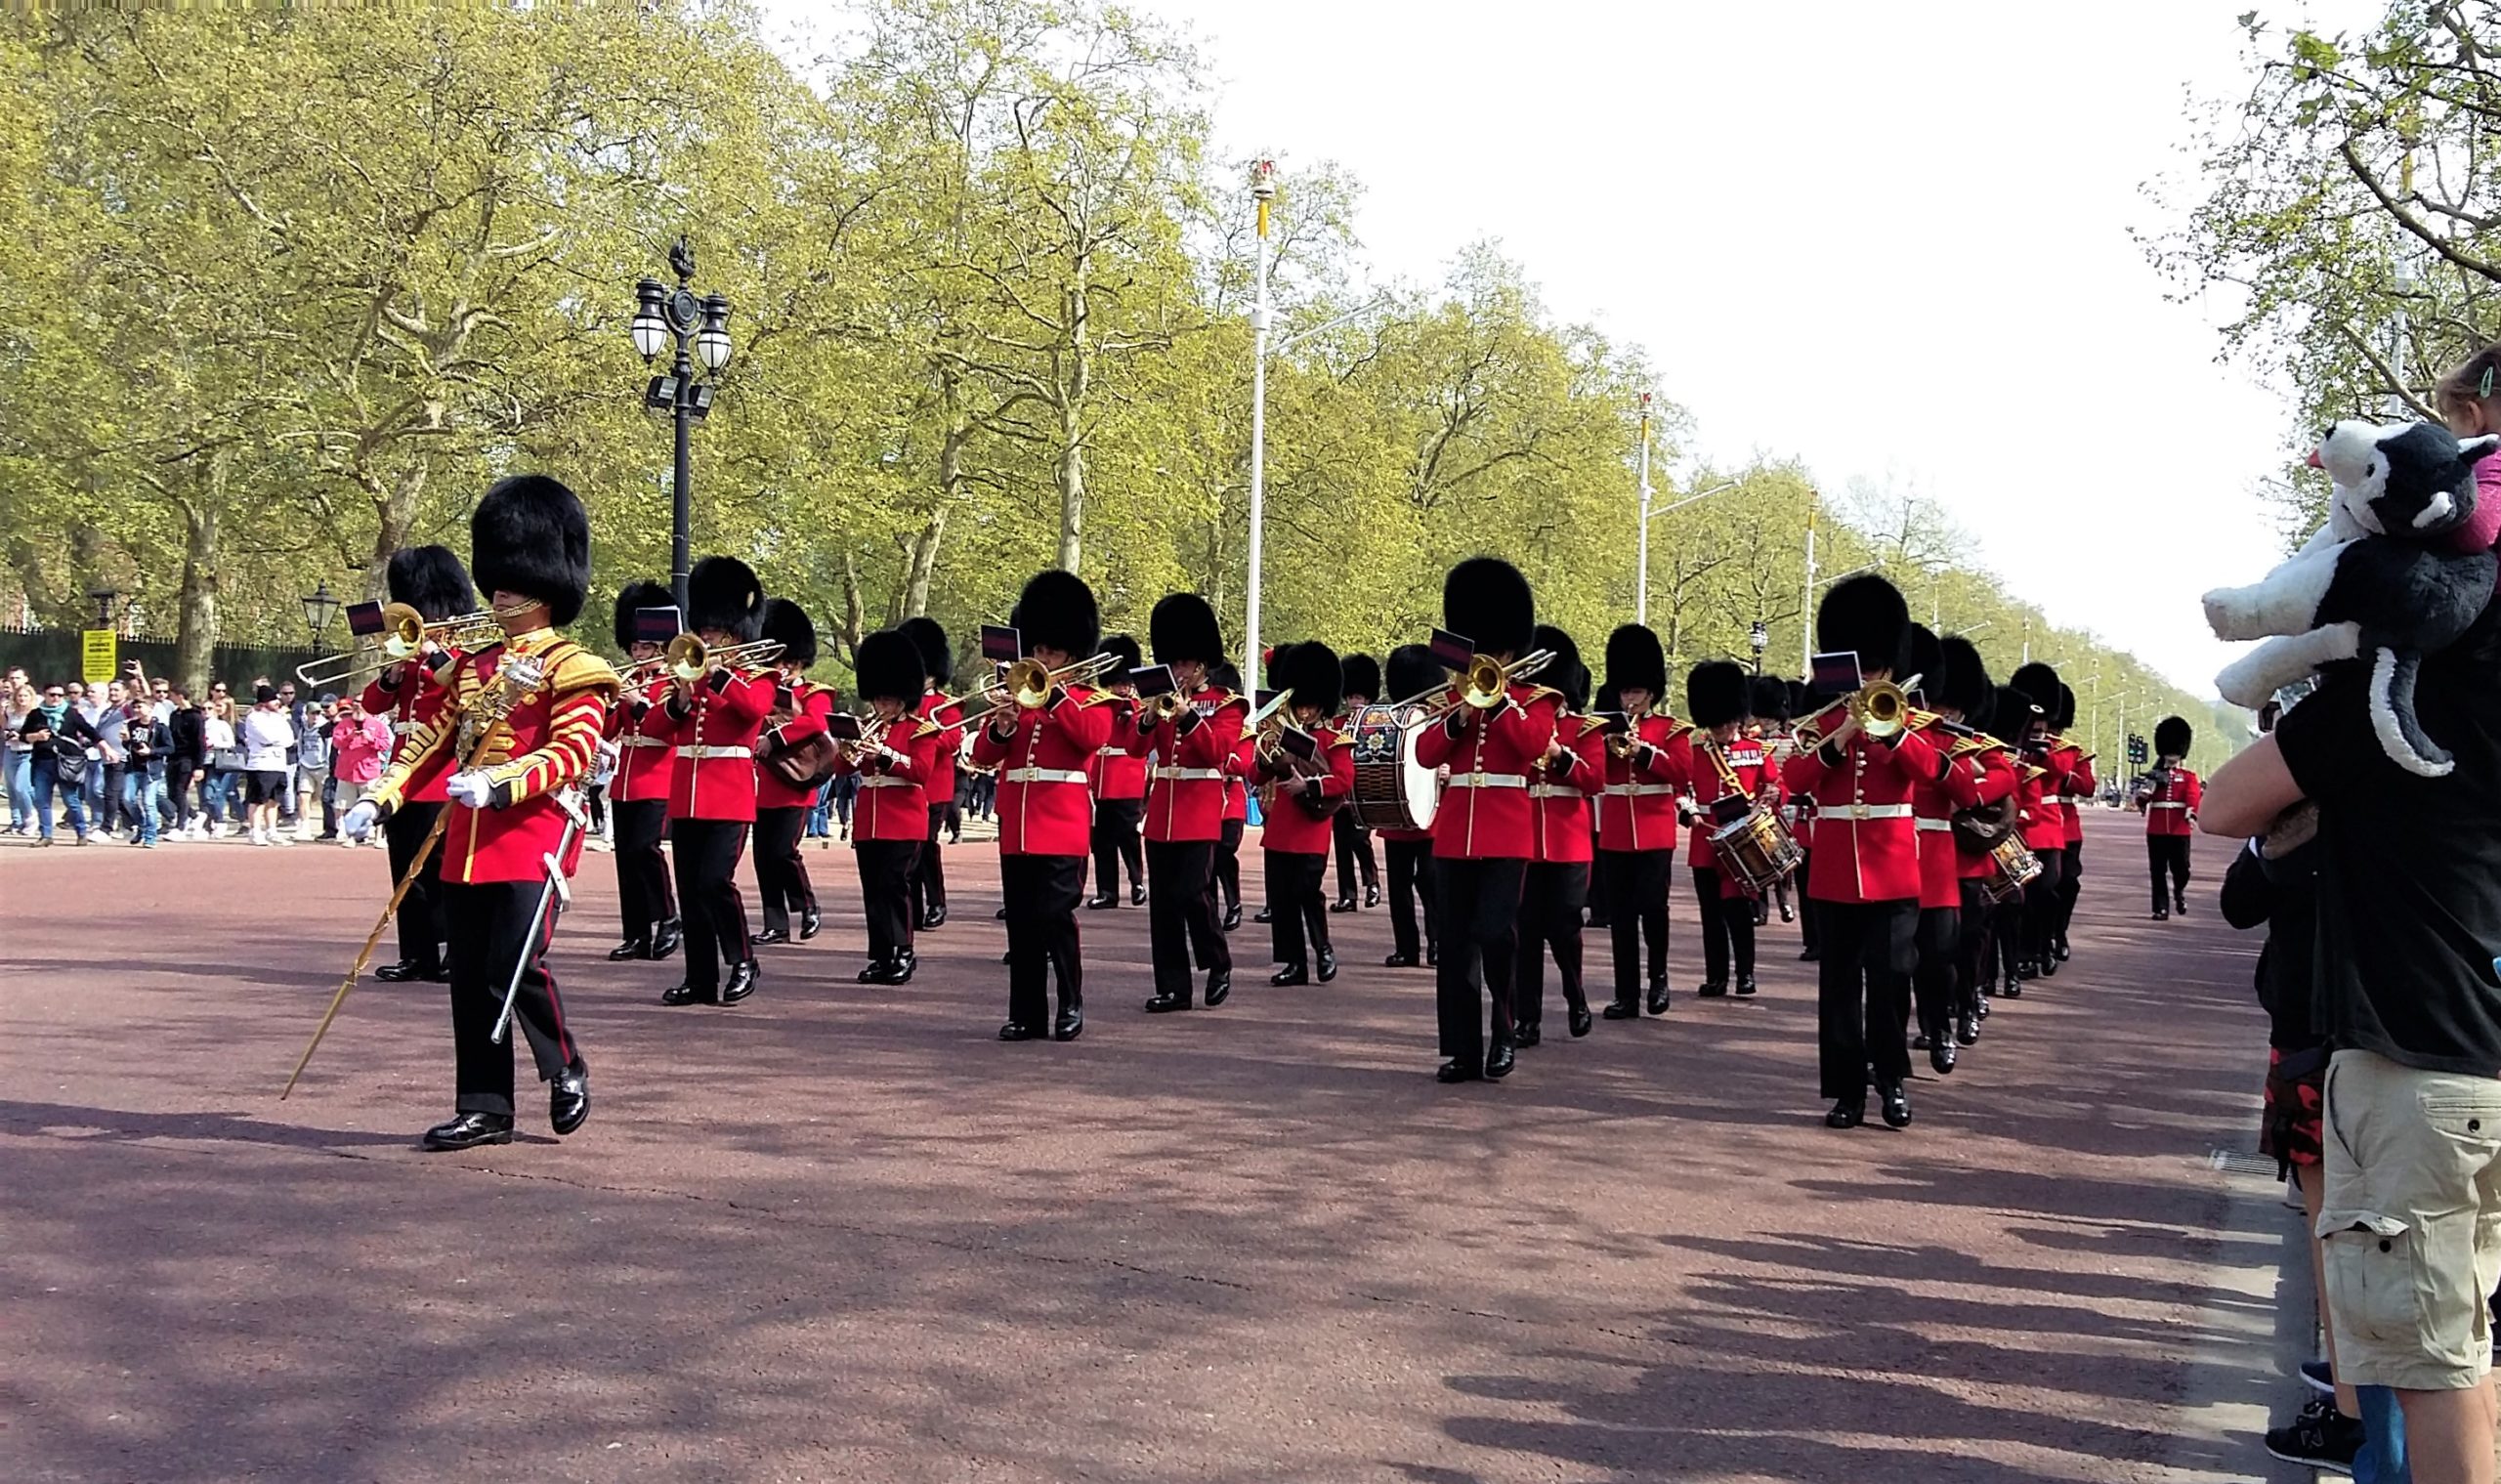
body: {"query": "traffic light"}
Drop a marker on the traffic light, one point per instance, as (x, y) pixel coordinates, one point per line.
(2136, 749)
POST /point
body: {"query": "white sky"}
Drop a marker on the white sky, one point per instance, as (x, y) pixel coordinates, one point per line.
(1890, 240)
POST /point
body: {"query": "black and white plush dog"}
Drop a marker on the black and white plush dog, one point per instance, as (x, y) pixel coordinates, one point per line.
(2378, 581)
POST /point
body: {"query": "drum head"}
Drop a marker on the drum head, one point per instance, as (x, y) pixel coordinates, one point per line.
(1423, 797)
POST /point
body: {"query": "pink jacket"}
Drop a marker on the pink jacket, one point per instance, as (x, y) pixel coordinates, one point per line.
(2479, 533)
(361, 748)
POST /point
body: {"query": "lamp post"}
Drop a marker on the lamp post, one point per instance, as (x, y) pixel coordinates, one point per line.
(1263, 191)
(1759, 638)
(103, 598)
(319, 607)
(662, 316)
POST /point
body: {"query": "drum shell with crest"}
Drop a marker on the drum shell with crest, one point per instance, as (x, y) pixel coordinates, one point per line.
(1392, 789)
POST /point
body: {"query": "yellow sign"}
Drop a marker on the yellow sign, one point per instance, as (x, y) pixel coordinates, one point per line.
(97, 655)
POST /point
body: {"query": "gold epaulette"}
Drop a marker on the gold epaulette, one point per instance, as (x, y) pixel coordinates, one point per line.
(572, 669)
(1589, 724)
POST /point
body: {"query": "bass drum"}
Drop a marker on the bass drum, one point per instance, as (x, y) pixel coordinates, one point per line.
(1392, 790)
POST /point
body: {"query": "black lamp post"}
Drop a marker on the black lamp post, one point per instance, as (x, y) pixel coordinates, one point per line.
(103, 598)
(319, 607)
(1760, 636)
(662, 316)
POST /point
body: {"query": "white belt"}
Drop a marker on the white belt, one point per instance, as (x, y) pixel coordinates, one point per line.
(2158, 804)
(1640, 790)
(402, 728)
(637, 740)
(1111, 752)
(1488, 780)
(701, 753)
(1554, 791)
(1936, 826)
(1043, 776)
(2069, 799)
(1187, 773)
(879, 780)
(1863, 812)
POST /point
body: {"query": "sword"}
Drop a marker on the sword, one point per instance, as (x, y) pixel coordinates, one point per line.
(554, 889)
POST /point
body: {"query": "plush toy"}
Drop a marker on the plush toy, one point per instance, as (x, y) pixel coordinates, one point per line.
(2380, 581)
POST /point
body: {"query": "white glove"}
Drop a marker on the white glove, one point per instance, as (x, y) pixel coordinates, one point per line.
(359, 823)
(470, 787)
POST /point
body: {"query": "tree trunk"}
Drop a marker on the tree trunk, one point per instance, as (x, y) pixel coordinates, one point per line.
(195, 637)
(853, 616)
(394, 508)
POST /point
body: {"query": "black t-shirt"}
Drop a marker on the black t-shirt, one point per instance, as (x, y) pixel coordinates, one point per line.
(2409, 871)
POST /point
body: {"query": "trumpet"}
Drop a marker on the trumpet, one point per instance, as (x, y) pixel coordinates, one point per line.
(689, 659)
(1028, 685)
(404, 634)
(1487, 681)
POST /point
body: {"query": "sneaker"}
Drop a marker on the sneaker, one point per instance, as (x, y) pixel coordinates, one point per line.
(281, 837)
(2320, 1437)
(260, 838)
(2317, 1375)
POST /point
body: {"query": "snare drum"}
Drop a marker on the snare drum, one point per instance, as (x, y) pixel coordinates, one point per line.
(1392, 790)
(1758, 851)
(2010, 868)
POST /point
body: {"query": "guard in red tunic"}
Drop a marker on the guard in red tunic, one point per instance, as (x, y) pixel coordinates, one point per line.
(1358, 686)
(1412, 671)
(638, 793)
(1041, 753)
(1493, 742)
(1224, 874)
(1647, 765)
(522, 733)
(1801, 827)
(712, 719)
(1555, 888)
(1305, 776)
(2042, 796)
(1955, 786)
(1117, 779)
(411, 692)
(1198, 749)
(1865, 881)
(1963, 699)
(1768, 697)
(2170, 795)
(925, 882)
(2081, 787)
(1729, 775)
(896, 757)
(802, 707)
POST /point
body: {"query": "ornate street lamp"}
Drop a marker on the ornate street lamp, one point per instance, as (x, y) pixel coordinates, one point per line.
(319, 607)
(699, 329)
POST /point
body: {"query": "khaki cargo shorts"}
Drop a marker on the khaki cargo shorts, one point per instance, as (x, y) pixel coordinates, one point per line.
(2411, 1225)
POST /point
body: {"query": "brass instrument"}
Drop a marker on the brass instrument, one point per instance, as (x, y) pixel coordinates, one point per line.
(1487, 681)
(1629, 742)
(1026, 686)
(1881, 708)
(405, 632)
(688, 657)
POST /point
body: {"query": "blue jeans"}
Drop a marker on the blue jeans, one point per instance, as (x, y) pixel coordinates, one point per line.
(50, 776)
(2382, 1460)
(820, 814)
(20, 768)
(143, 795)
(217, 795)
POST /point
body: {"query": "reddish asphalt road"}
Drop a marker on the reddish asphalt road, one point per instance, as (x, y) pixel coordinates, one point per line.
(842, 1233)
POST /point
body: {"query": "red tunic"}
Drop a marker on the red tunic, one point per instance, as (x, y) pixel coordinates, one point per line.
(1752, 767)
(1186, 791)
(940, 786)
(2075, 790)
(642, 758)
(416, 701)
(1290, 823)
(2172, 808)
(808, 704)
(1041, 754)
(1866, 838)
(1560, 794)
(1638, 811)
(1490, 752)
(892, 804)
(713, 777)
(2037, 818)
(1935, 799)
(1995, 781)
(1116, 772)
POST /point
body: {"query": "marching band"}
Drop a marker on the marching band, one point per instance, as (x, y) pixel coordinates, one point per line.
(1926, 824)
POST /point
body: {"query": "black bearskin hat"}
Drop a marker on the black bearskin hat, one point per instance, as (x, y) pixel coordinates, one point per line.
(1486, 599)
(1360, 676)
(2066, 718)
(1965, 685)
(2172, 737)
(1922, 656)
(431, 580)
(1606, 699)
(937, 656)
(1183, 628)
(1715, 692)
(2039, 684)
(1865, 613)
(1311, 671)
(1634, 658)
(789, 624)
(1412, 671)
(633, 596)
(2014, 714)
(530, 535)
(1801, 700)
(1056, 610)
(1564, 672)
(722, 594)
(1769, 698)
(1224, 677)
(889, 663)
(1124, 647)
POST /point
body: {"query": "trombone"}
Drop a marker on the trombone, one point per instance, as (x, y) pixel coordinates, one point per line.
(1486, 683)
(1881, 708)
(403, 635)
(1027, 685)
(689, 659)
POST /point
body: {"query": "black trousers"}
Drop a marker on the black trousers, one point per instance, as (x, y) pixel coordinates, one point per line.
(177, 789)
(1636, 907)
(706, 856)
(1116, 842)
(1299, 914)
(2005, 950)
(1975, 943)
(2041, 906)
(1807, 936)
(420, 919)
(1180, 913)
(925, 883)
(1354, 851)
(1042, 894)
(1480, 920)
(1727, 928)
(885, 895)
(1937, 970)
(2168, 854)
(643, 897)
(1597, 882)
(2070, 884)
(1861, 988)
(1226, 871)
(494, 924)
(1411, 875)
(780, 876)
(1552, 895)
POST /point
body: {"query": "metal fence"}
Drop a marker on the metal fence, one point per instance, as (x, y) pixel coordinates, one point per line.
(53, 654)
